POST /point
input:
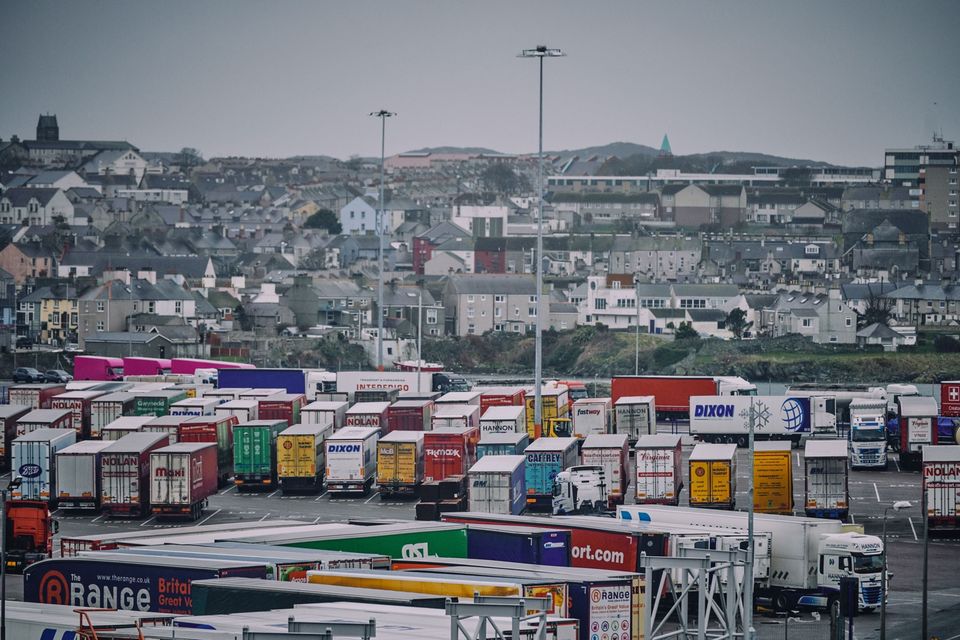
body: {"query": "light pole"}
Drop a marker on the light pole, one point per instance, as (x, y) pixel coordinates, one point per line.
(383, 114)
(540, 52)
(419, 295)
(636, 355)
(14, 484)
(748, 573)
(899, 505)
(926, 551)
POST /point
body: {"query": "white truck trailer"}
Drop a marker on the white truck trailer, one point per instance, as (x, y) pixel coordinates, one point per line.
(726, 419)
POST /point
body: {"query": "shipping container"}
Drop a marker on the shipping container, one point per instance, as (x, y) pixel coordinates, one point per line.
(497, 484)
(225, 395)
(9, 414)
(773, 478)
(106, 409)
(918, 427)
(255, 454)
(611, 452)
(827, 490)
(213, 429)
(97, 368)
(78, 475)
(502, 444)
(191, 365)
(125, 474)
(404, 381)
(659, 477)
(449, 451)
(635, 416)
(194, 406)
(156, 403)
(244, 410)
(500, 397)
(726, 419)
(519, 544)
(368, 414)
(332, 412)
(282, 406)
(259, 393)
(35, 396)
(287, 380)
(45, 419)
(504, 419)
(301, 453)
(941, 486)
(592, 416)
(351, 459)
(950, 398)
(713, 476)
(460, 397)
(410, 415)
(123, 426)
(139, 366)
(377, 395)
(34, 463)
(182, 477)
(554, 404)
(672, 393)
(78, 402)
(400, 463)
(243, 595)
(545, 458)
(169, 425)
(455, 415)
(161, 585)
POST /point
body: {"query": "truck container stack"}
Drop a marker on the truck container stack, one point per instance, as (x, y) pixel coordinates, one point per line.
(449, 451)
(182, 477)
(78, 475)
(635, 416)
(255, 454)
(592, 416)
(123, 426)
(410, 415)
(497, 484)
(827, 492)
(244, 410)
(156, 403)
(519, 544)
(125, 474)
(301, 453)
(351, 459)
(213, 429)
(332, 412)
(941, 487)
(107, 408)
(554, 405)
(204, 406)
(773, 478)
(503, 419)
(79, 403)
(713, 476)
(45, 419)
(456, 415)
(34, 462)
(35, 396)
(169, 425)
(659, 476)
(282, 406)
(377, 395)
(545, 458)
(611, 452)
(368, 414)
(400, 463)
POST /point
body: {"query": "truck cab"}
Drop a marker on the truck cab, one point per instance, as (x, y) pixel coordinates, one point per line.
(849, 555)
(446, 382)
(29, 533)
(580, 489)
(557, 428)
(868, 433)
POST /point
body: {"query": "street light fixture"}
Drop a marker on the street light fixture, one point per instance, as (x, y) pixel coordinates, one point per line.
(899, 505)
(14, 484)
(419, 296)
(540, 52)
(383, 114)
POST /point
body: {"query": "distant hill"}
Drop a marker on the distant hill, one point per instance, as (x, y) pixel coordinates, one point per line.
(617, 149)
(455, 150)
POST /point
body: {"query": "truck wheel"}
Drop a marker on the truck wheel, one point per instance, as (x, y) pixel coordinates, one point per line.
(742, 441)
(781, 601)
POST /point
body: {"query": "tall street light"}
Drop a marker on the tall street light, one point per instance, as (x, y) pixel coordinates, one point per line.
(419, 297)
(383, 114)
(4, 494)
(899, 505)
(540, 52)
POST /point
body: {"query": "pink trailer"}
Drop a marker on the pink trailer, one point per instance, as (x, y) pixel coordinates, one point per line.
(189, 366)
(97, 368)
(133, 366)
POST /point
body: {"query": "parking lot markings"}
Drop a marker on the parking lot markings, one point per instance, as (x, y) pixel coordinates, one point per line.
(876, 491)
(265, 517)
(209, 516)
(228, 490)
(912, 528)
(375, 494)
(147, 520)
(274, 493)
(320, 496)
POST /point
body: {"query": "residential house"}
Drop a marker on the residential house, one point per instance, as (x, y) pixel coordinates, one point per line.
(51, 314)
(482, 218)
(881, 334)
(656, 258)
(424, 244)
(478, 303)
(57, 179)
(926, 303)
(409, 304)
(878, 197)
(825, 319)
(359, 216)
(41, 206)
(8, 310)
(887, 242)
(697, 205)
(609, 208)
(28, 260)
(117, 344)
(456, 255)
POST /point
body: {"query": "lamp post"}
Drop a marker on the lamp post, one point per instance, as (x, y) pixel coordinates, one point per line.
(383, 114)
(540, 52)
(899, 505)
(14, 484)
(419, 296)
(636, 355)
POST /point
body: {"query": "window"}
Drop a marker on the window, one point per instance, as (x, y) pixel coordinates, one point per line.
(499, 298)
(470, 299)
(100, 325)
(600, 304)
(516, 312)
(471, 328)
(498, 327)
(833, 338)
(431, 316)
(483, 298)
(497, 312)
(849, 322)
(101, 305)
(806, 323)
(532, 311)
(533, 299)
(178, 307)
(389, 351)
(470, 312)
(151, 307)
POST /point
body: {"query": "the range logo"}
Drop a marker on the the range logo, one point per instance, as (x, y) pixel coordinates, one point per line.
(53, 588)
(29, 470)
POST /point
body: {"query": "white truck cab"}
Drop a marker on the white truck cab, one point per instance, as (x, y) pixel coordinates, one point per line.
(868, 433)
(851, 555)
(580, 489)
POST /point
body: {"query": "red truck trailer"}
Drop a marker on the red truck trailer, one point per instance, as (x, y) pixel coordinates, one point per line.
(950, 398)
(410, 415)
(182, 477)
(449, 451)
(35, 396)
(282, 406)
(79, 403)
(125, 474)
(44, 419)
(673, 393)
(216, 429)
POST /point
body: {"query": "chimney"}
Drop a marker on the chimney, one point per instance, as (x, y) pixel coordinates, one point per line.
(918, 282)
(147, 274)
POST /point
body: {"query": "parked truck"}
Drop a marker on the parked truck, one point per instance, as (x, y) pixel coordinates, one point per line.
(580, 489)
(170, 425)
(79, 405)
(592, 416)
(213, 429)
(351, 459)
(526, 545)
(635, 416)
(917, 416)
(157, 402)
(97, 368)
(868, 433)
(501, 396)
(611, 452)
(545, 458)
(941, 488)
(808, 555)
(255, 454)
(410, 415)
(301, 451)
(125, 474)
(842, 394)
(672, 393)
(139, 366)
(659, 477)
(726, 419)
(449, 451)
(9, 415)
(35, 396)
(950, 398)
(78, 475)
(773, 478)
(827, 493)
(35, 464)
(204, 406)
(282, 406)
(352, 381)
(400, 463)
(497, 484)
(368, 414)
(331, 412)
(456, 415)
(503, 419)
(123, 426)
(107, 408)
(307, 382)
(554, 405)
(713, 476)
(182, 477)
(502, 444)
(29, 534)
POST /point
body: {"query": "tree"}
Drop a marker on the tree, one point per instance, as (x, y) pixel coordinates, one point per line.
(190, 157)
(685, 331)
(878, 310)
(500, 178)
(324, 219)
(737, 323)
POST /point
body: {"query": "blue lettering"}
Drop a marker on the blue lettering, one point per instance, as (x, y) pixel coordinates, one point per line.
(343, 448)
(713, 411)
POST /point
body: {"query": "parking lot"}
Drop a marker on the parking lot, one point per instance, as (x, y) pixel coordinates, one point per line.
(870, 493)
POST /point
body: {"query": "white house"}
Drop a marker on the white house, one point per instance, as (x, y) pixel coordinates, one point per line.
(26, 206)
(117, 162)
(359, 216)
(481, 220)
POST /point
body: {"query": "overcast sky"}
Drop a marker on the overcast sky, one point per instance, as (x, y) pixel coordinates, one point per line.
(837, 81)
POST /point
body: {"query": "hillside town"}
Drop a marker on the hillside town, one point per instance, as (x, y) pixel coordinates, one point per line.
(118, 250)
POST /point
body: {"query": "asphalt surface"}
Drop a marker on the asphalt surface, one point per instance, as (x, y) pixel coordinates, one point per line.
(870, 492)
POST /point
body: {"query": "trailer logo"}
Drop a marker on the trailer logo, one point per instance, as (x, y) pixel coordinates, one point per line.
(287, 444)
(443, 453)
(163, 472)
(793, 415)
(343, 448)
(29, 470)
(588, 412)
(53, 588)
(713, 411)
